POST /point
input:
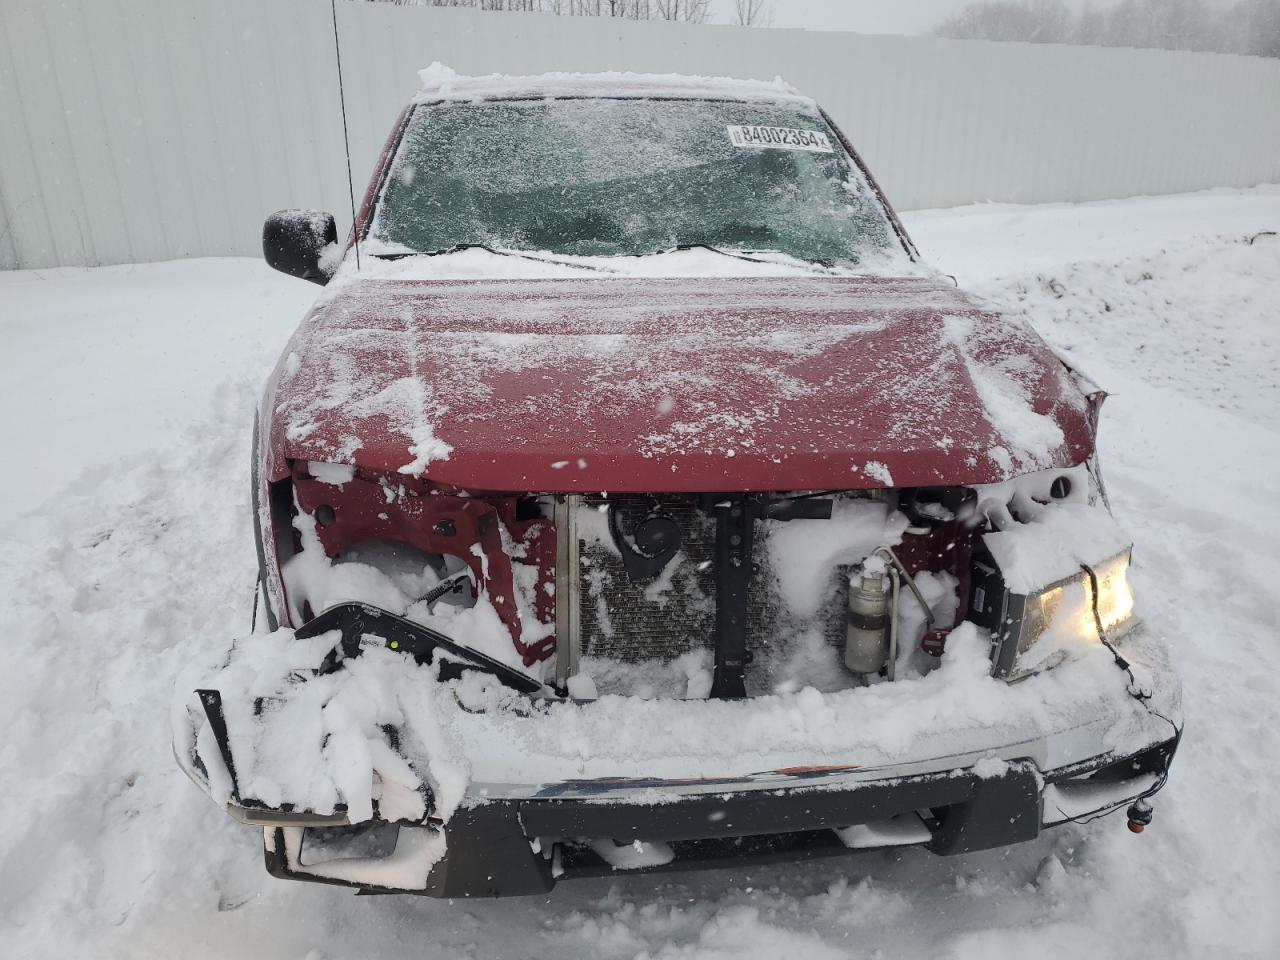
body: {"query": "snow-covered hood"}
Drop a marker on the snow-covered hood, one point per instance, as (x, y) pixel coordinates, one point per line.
(675, 385)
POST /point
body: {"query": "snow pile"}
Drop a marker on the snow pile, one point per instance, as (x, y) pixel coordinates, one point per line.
(941, 592)
(804, 552)
(689, 675)
(316, 741)
(311, 578)
(320, 741)
(1053, 546)
(886, 723)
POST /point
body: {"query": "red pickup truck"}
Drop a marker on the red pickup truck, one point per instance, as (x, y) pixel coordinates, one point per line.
(634, 498)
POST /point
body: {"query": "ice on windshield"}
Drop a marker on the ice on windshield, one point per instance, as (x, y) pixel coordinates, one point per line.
(617, 177)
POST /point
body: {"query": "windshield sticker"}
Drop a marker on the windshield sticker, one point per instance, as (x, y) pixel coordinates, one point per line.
(780, 138)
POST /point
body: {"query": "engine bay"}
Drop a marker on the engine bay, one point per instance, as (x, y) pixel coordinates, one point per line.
(718, 596)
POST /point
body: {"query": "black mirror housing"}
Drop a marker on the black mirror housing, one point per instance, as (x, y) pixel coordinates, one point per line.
(293, 242)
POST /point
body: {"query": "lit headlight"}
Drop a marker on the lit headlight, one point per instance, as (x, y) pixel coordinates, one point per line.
(1031, 632)
(1115, 599)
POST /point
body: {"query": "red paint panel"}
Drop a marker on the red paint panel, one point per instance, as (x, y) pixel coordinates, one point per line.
(688, 385)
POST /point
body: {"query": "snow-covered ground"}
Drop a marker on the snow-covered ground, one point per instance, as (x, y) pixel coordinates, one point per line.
(126, 396)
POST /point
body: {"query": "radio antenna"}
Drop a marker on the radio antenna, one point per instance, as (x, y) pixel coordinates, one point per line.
(346, 137)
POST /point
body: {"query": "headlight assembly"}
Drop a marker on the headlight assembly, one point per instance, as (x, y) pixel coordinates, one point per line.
(1031, 632)
(1115, 599)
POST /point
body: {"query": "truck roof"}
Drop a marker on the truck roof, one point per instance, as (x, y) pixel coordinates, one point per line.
(439, 82)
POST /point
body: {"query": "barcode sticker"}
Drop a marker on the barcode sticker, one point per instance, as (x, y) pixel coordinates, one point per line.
(780, 138)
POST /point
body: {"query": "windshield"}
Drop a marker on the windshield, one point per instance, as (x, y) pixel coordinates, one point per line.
(616, 177)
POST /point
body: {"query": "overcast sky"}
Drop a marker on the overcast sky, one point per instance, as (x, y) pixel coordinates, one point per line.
(863, 16)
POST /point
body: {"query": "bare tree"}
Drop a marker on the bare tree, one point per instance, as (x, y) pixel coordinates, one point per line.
(1034, 21)
(751, 13)
(694, 11)
(1248, 26)
(1258, 24)
(1091, 27)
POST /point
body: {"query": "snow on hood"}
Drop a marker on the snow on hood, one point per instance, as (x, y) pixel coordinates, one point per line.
(676, 385)
(440, 82)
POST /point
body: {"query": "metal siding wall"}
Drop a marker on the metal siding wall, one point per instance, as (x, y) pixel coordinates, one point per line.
(150, 129)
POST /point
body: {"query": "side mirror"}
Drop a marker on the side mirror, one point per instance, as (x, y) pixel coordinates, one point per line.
(293, 242)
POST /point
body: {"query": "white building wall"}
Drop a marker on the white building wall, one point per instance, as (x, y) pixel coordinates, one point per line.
(138, 130)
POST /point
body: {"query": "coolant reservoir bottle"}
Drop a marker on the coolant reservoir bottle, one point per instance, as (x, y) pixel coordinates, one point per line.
(866, 644)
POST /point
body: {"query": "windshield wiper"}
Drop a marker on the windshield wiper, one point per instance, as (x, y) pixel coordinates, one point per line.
(598, 268)
(707, 246)
(497, 252)
(825, 264)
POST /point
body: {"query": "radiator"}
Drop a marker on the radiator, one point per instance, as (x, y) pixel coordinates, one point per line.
(675, 613)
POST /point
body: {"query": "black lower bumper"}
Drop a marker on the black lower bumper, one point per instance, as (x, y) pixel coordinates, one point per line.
(522, 847)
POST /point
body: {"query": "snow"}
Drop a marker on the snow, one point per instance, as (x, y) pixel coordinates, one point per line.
(885, 833)
(634, 855)
(803, 552)
(582, 687)
(334, 474)
(440, 82)
(415, 852)
(1006, 398)
(1025, 495)
(343, 755)
(378, 575)
(510, 750)
(477, 263)
(878, 471)
(1054, 545)
(126, 549)
(766, 368)
(408, 404)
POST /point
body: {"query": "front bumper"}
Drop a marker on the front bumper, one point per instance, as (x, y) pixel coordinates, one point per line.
(1079, 745)
(523, 847)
